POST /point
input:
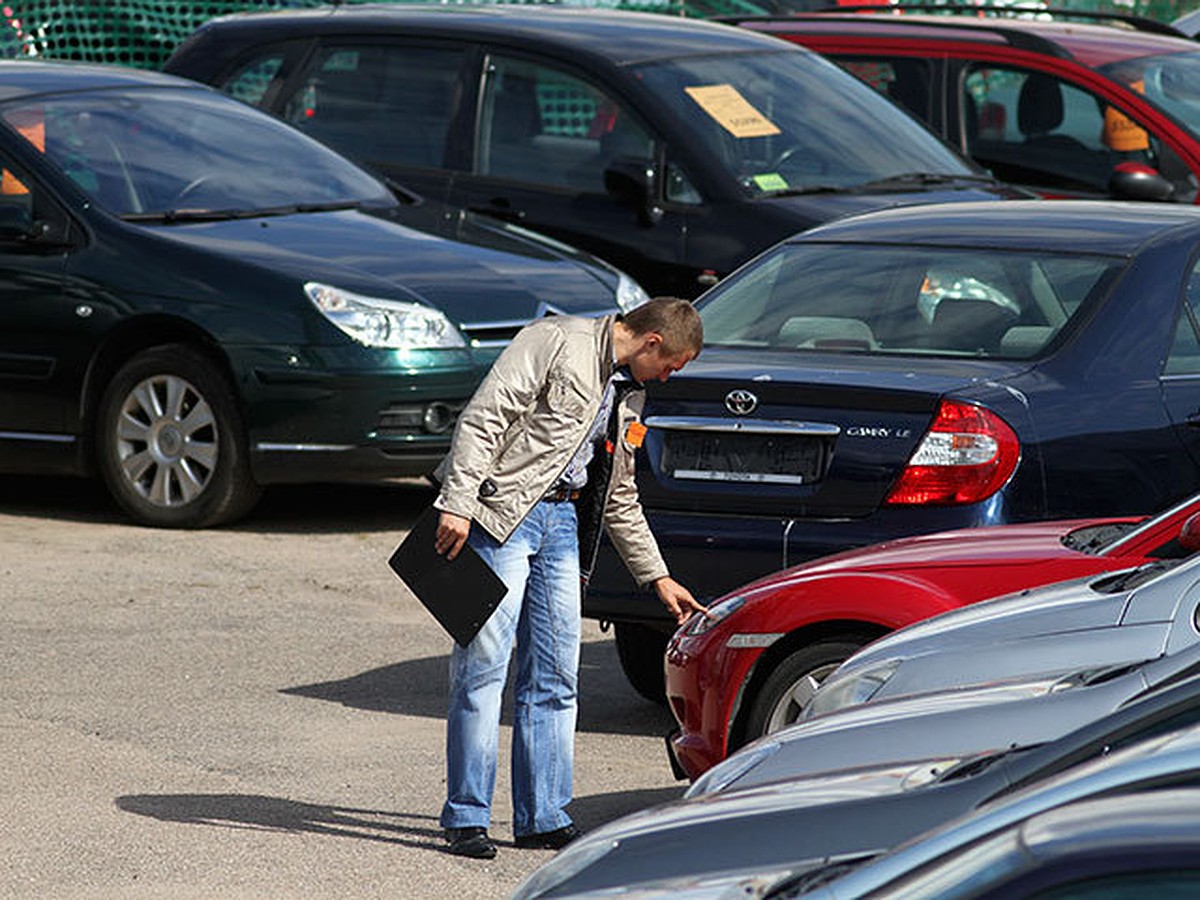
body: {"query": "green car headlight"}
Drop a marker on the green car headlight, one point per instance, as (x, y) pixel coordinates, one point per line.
(851, 689)
(630, 294)
(378, 322)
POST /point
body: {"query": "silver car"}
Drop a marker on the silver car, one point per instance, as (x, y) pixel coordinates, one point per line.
(744, 842)
(943, 727)
(1107, 620)
(1167, 762)
(1131, 845)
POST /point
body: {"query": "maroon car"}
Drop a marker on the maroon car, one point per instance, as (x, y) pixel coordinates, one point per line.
(1064, 108)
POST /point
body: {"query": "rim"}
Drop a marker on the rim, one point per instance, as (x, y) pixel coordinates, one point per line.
(167, 441)
(787, 709)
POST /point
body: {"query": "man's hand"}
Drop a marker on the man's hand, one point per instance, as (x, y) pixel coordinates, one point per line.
(677, 599)
(452, 533)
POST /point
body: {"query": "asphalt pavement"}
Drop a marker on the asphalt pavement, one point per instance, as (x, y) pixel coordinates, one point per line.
(253, 711)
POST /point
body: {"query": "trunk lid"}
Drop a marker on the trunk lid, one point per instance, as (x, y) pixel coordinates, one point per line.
(794, 434)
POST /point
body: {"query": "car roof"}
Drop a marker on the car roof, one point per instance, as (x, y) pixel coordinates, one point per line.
(27, 78)
(1088, 44)
(618, 37)
(1115, 228)
(1124, 820)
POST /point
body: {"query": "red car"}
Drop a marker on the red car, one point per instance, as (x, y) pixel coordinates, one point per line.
(749, 668)
(1063, 108)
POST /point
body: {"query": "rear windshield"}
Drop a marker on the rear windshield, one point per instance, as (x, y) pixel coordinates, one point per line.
(913, 300)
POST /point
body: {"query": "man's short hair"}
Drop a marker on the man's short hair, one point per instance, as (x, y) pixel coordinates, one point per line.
(675, 319)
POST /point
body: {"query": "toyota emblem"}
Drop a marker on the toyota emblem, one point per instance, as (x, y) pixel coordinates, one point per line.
(741, 403)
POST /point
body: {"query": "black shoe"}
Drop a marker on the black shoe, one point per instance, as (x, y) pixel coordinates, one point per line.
(548, 840)
(473, 842)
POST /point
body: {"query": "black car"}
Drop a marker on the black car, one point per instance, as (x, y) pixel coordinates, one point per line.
(676, 149)
(915, 370)
(197, 300)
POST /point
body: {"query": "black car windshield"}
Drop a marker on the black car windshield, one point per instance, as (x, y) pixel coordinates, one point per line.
(145, 152)
(1169, 81)
(880, 299)
(792, 122)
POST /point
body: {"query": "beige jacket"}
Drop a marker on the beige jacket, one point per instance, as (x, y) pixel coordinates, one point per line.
(525, 422)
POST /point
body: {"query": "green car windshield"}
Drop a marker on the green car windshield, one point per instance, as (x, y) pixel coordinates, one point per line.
(794, 123)
(179, 152)
(884, 299)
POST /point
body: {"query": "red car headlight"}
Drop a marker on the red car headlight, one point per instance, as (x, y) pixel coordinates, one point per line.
(700, 623)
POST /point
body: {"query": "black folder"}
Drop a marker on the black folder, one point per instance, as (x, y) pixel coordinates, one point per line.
(461, 594)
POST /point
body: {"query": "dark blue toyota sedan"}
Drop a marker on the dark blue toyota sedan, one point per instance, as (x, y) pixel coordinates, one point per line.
(914, 370)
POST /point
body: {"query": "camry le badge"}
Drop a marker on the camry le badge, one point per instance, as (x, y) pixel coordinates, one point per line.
(741, 403)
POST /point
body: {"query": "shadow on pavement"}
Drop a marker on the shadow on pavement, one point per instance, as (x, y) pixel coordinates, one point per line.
(417, 687)
(252, 811)
(595, 810)
(279, 814)
(284, 509)
(64, 499)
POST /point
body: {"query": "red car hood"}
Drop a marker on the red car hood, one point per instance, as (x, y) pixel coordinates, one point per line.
(991, 546)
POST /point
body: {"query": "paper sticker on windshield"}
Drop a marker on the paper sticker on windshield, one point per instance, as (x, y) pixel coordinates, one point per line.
(732, 111)
(770, 181)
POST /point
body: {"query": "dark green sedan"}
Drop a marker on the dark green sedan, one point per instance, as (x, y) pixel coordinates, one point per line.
(197, 300)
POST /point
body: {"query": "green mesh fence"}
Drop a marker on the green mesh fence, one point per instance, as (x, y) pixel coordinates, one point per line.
(142, 33)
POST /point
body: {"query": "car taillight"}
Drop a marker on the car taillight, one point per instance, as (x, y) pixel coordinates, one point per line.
(966, 456)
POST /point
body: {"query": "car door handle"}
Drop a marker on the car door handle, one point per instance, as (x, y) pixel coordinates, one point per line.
(499, 209)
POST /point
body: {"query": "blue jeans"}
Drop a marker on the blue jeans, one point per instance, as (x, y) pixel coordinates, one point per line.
(540, 565)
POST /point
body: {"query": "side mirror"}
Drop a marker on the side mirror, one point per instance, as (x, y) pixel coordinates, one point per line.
(1135, 181)
(1189, 534)
(633, 182)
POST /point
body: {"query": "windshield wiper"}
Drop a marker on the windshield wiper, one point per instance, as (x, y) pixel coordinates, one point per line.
(1125, 581)
(328, 206)
(977, 764)
(805, 881)
(922, 179)
(170, 216)
(810, 189)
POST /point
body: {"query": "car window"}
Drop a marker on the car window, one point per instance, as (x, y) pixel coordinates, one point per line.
(23, 201)
(142, 152)
(903, 80)
(1171, 82)
(1184, 358)
(887, 299)
(790, 122)
(544, 126)
(1036, 129)
(379, 102)
(249, 83)
(1161, 884)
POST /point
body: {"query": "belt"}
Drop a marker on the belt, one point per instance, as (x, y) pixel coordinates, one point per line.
(561, 495)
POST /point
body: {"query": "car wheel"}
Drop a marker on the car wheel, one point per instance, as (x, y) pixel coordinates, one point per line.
(792, 683)
(640, 650)
(170, 441)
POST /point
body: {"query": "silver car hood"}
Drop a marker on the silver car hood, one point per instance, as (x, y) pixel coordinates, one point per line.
(941, 725)
(1080, 605)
